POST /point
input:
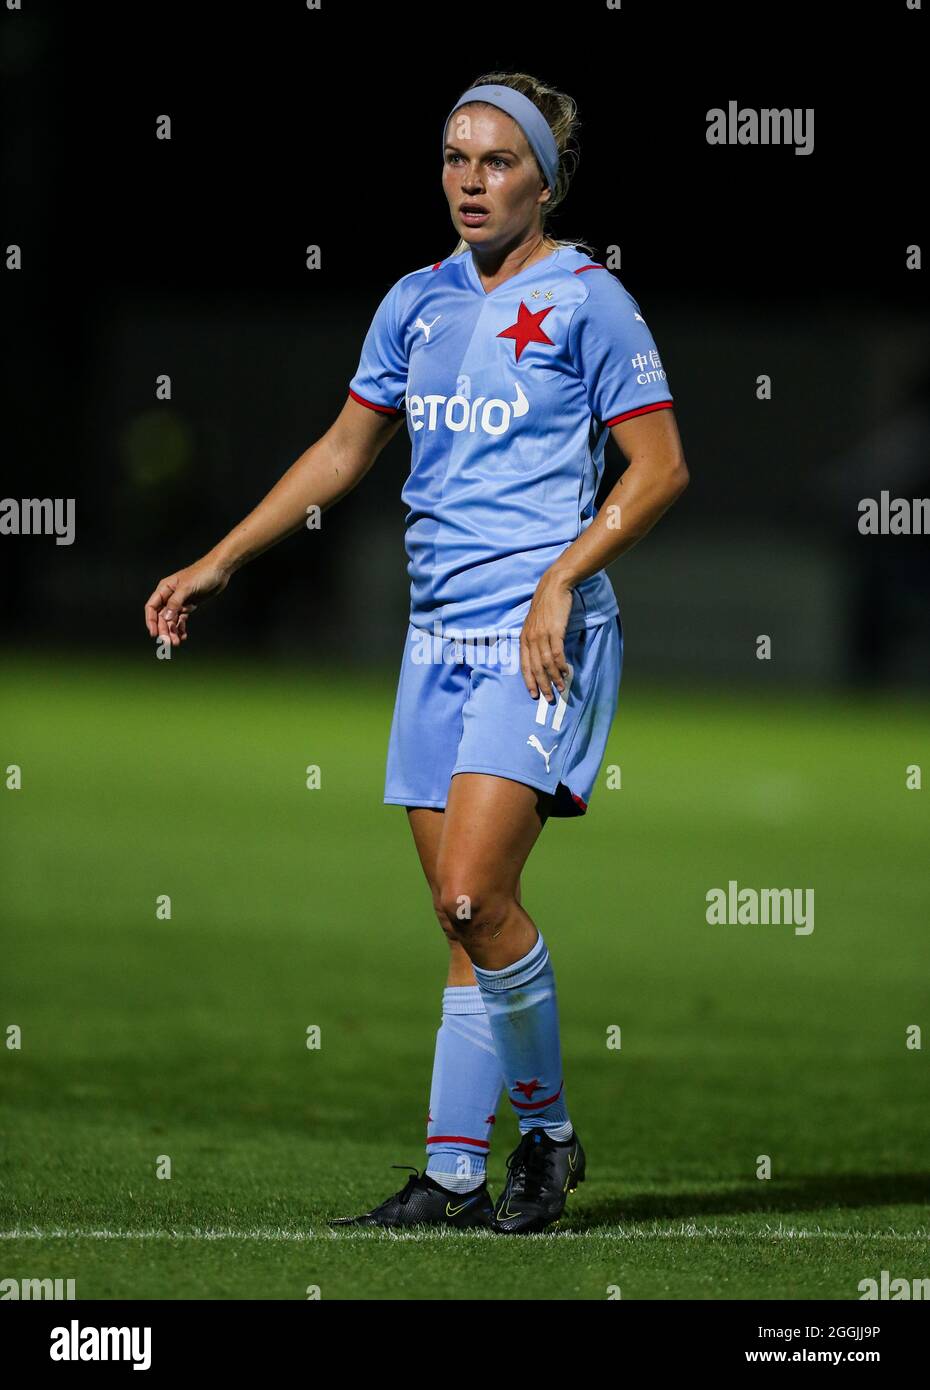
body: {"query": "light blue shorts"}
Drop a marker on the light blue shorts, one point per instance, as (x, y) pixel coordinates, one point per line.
(463, 706)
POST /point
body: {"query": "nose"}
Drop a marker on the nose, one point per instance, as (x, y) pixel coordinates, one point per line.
(471, 179)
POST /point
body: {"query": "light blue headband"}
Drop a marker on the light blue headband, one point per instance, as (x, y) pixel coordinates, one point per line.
(527, 115)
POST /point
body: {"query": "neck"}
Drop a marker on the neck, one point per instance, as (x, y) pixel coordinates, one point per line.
(503, 261)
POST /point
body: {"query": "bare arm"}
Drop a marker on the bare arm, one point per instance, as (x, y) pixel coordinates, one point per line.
(656, 476)
(322, 475)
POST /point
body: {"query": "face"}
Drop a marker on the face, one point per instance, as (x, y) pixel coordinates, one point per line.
(488, 165)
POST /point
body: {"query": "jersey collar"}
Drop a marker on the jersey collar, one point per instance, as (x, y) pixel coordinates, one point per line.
(475, 282)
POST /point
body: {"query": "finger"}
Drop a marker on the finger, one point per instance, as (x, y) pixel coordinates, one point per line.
(558, 666)
(168, 620)
(165, 627)
(540, 672)
(526, 668)
(175, 611)
(180, 625)
(166, 589)
(164, 609)
(157, 599)
(542, 658)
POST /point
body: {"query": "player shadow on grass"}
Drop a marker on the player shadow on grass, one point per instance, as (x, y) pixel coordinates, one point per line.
(816, 1192)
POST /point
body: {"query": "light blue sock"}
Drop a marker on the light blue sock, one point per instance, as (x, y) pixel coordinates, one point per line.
(465, 1090)
(523, 1013)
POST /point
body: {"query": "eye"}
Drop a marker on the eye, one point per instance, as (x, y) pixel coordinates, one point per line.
(494, 159)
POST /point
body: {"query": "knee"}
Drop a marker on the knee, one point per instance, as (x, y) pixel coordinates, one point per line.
(468, 915)
(446, 923)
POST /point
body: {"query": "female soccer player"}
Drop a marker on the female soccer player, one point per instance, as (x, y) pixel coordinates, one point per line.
(510, 361)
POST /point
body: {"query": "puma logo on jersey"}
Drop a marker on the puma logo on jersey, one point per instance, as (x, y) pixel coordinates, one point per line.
(534, 742)
(458, 413)
(426, 326)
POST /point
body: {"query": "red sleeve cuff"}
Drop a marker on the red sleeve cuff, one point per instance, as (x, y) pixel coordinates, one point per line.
(373, 405)
(640, 410)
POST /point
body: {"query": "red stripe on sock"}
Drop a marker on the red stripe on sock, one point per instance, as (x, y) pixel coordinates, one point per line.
(457, 1139)
(537, 1104)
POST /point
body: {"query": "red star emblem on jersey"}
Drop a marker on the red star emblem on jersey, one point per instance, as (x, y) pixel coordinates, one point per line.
(528, 328)
(528, 1087)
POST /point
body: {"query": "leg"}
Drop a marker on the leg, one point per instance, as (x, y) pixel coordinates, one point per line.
(491, 824)
(426, 825)
(466, 1079)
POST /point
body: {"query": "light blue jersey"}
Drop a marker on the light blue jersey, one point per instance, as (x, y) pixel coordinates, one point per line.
(509, 396)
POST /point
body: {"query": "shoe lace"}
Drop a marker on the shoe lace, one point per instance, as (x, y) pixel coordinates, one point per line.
(406, 1192)
(529, 1166)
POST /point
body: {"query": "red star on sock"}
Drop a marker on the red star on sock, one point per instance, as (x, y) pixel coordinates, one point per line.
(528, 1087)
(527, 328)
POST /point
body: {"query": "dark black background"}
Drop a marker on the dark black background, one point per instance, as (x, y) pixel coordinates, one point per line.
(294, 127)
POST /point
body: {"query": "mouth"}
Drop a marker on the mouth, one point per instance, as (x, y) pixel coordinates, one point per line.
(473, 214)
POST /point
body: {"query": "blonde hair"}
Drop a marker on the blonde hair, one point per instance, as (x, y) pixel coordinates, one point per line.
(561, 113)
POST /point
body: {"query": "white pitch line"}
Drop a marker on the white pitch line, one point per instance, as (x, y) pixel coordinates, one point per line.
(444, 1233)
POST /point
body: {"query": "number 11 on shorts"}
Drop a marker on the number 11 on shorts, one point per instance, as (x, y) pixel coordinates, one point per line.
(543, 707)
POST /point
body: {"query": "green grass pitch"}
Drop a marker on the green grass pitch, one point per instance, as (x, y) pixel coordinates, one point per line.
(293, 907)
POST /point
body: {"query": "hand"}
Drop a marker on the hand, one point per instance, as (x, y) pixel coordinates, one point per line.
(168, 607)
(542, 651)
